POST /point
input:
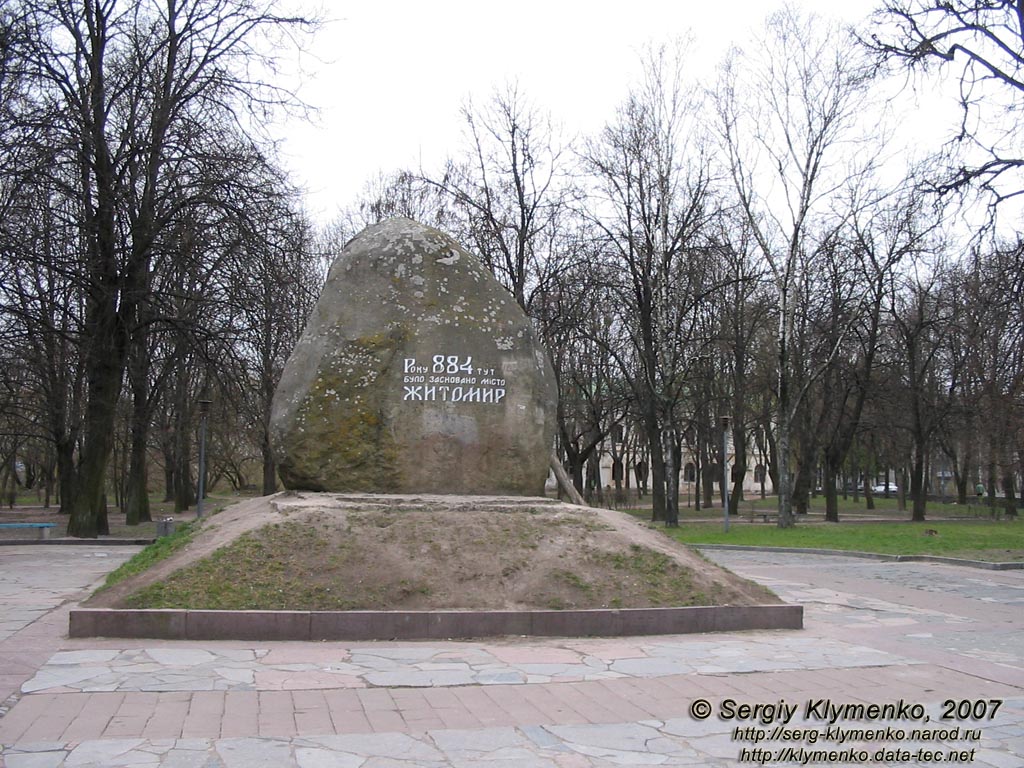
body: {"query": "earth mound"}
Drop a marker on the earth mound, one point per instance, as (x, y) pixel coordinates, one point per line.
(329, 551)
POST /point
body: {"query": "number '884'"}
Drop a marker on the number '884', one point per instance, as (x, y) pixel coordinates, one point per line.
(452, 364)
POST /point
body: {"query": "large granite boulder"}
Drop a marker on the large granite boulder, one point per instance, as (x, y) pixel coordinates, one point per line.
(417, 372)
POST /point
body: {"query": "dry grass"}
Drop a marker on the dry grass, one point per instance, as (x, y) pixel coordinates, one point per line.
(432, 557)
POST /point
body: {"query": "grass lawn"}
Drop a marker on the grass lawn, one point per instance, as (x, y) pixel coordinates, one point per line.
(160, 549)
(999, 540)
(848, 509)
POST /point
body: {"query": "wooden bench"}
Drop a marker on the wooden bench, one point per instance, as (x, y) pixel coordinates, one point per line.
(43, 528)
(766, 516)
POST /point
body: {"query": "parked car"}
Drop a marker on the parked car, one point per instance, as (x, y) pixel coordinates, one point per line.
(880, 488)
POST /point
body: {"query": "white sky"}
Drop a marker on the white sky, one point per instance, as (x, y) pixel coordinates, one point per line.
(394, 73)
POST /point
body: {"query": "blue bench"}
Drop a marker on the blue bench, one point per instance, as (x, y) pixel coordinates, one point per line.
(43, 528)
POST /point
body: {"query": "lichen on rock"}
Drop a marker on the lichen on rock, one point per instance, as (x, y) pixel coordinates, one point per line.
(415, 374)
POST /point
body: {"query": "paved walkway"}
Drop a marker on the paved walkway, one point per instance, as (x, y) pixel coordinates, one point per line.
(907, 636)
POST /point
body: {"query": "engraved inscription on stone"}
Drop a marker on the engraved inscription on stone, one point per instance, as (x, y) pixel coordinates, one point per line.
(451, 378)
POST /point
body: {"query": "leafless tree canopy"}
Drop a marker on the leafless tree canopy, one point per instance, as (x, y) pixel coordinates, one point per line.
(739, 249)
(145, 181)
(981, 45)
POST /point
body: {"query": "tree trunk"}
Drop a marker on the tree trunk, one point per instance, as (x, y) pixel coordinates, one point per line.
(709, 480)
(169, 474)
(136, 505)
(657, 462)
(993, 451)
(269, 465)
(640, 469)
(269, 383)
(739, 468)
(65, 449)
(576, 460)
(961, 488)
(657, 481)
(184, 492)
(595, 491)
(87, 499)
(269, 469)
(564, 484)
(831, 496)
(672, 452)
(772, 444)
(869, 481)
(917, 485)
(1009, 496)
(184, 495)
(48, 479)
(137, 494)
(785, 519)
(697, 469)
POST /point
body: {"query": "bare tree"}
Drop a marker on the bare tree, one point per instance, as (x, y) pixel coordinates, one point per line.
(982, 41)
(576, 321)
(785, 112)
(132, 83)
(919, 318)
(399, 193)
(652, 201)
(42, 303)
(510, 189)
(987, 334)
(274, 284)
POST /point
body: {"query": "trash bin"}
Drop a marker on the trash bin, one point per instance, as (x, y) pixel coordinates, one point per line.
(164, 526)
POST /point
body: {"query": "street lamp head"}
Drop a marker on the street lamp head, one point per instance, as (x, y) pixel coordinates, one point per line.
(725, 422)
(204, 406)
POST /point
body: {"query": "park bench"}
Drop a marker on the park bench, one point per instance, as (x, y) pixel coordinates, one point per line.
(765, 515)
(43, 528)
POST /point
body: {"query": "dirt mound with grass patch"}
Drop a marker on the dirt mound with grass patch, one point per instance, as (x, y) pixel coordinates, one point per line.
(327, 551)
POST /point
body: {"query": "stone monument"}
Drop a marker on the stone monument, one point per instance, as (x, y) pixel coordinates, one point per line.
(416, 373)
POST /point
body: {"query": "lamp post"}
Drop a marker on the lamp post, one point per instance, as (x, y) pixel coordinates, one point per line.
(204, 410)
(725, 472)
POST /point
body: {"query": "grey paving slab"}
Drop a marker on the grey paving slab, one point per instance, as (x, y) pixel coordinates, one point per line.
(36, 579)
(445, 664)
(876, 632)
(38, 584)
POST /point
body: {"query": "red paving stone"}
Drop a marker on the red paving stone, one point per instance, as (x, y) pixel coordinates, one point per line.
(205, 713)
(276, 715)
(59, 713)
(213, 714)
(168, 718)
(241, 714)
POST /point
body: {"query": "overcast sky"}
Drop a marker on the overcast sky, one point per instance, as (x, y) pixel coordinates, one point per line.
(393, 74)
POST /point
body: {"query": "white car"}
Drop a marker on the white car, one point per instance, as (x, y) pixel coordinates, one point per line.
(880, 488)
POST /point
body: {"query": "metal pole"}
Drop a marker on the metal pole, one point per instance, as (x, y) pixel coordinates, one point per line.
(204, 408)
(725, 472)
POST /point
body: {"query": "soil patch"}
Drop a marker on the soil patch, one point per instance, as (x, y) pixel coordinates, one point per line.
(325, 551)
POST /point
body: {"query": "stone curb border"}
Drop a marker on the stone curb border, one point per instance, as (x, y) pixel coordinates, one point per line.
(984, 564)
(70, 541)
(176, 624)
